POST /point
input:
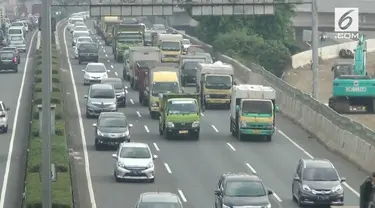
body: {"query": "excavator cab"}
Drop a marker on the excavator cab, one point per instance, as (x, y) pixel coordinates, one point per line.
(342, 68)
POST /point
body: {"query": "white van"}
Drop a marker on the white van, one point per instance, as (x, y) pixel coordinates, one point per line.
(72, 21)
(16, 31)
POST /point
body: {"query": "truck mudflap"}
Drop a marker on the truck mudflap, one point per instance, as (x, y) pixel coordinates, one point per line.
(259, 132)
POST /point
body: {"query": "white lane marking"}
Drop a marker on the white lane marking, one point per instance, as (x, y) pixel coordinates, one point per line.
(277, 197)
(111, 66)
(38, 41)
(82, 130)
(14, 127)
(116, 74)
(139, 115)
(168, 169)
(183, 198)
(156, 147)
(131, 101)
(104, 51)
(146, 128)
(126, 91)
(100, 44)
(202, 114)
(251, 168)
(214, 128)
(311, 157)
(106, 55)
(229, 145)
(108, 61)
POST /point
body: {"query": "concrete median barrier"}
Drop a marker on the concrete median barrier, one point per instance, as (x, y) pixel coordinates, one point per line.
(352, 140)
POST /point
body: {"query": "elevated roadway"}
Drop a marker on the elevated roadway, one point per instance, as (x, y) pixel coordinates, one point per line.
(16, 93)
(190, 169)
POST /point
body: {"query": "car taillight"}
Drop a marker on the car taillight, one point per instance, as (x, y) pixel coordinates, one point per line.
(15, 60)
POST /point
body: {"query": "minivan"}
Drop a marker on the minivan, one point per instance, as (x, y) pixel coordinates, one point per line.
(16, 31)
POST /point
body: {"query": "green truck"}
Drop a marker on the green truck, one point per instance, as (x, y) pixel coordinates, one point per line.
(125, 36)
(179, 115)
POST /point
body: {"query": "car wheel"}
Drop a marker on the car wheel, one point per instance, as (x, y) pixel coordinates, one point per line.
(98, 147)
(6, 129)
(116, 178)
(152, 180)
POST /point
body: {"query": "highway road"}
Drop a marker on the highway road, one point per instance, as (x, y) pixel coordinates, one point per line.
(15, 92)
(191, 169)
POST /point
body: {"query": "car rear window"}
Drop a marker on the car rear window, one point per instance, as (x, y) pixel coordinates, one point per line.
(6, 56)
(14, 31)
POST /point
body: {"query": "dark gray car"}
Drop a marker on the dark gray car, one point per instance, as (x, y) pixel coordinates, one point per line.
(158, 199)
(317, 183)
(111, 129)
(100, 98)
(120, 89)
(241, 190)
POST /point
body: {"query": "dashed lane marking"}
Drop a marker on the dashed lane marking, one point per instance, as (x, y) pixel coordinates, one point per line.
(214, 128)
(168, 169)
(183, 198)
(251, 168)
(156, 147)
(116, 74)
(131, 101)
(139, 114)
(146, 128)
(230, 146)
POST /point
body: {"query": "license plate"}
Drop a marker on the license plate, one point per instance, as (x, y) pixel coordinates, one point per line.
(323, 197)
(257, 131)
(183, 131)
(136, 172)
(113, 143)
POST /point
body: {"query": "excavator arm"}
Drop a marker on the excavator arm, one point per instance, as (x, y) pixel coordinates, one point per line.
(360, 57)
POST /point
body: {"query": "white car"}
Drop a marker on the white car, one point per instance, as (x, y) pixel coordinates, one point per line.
(80, 28)
(94, 73)
(186, 44)
(134, 161)
(26, 26)
(3, 117)
(72, 21)
(78, 34)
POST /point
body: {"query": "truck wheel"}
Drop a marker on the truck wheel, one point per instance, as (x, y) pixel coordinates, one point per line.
(195, 136)
(152, 114)
(118, 59)
(231, 128)
(115, 57)
(79, 61)
(160, 131)
(240, 136)
(167, 135)
(269, 138)
(140, 98)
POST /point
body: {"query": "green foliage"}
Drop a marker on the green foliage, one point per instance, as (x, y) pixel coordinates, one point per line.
(61, 189)
(267, 40)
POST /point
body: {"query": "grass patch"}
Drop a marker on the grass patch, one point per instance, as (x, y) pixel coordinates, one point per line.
(61, 189)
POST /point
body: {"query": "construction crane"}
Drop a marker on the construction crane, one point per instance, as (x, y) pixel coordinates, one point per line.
(354, 91)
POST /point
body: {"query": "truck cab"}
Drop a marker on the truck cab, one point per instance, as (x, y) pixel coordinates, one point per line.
(162, 80)
(214, 83)
(253, 111)
(179, 115)
(170, 46)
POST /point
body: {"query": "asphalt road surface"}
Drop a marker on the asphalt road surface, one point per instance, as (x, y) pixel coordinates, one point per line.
(191, 169)
(15, 92)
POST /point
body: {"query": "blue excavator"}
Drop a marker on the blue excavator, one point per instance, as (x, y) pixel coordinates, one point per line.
(353, 90)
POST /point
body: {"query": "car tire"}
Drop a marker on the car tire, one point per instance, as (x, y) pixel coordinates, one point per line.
(6, 129)
(98, 147)
(116, 178)
(152, 180)
(15, 70)
(88, 115)
(79, 61)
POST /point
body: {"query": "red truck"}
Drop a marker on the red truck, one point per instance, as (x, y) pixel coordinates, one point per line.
(142, 70)
(22, 10)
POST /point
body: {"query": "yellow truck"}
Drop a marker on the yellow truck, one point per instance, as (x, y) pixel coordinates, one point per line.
(106, 25)
(170, 46)
(162, 79)
(214, 83)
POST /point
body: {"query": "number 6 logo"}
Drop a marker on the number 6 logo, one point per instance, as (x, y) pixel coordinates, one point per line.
(346, 17)
(346, 20)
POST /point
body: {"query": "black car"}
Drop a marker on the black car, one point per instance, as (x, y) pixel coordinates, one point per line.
(120, 89)
(15, 51)
(188, 72)
(111, 129)
(316, 182)
(8, 61)
(241, 190)
(88, 52)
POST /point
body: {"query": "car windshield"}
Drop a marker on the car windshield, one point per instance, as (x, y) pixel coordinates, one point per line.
(102, 93)
(18, 24)
(16, 43)
(16, 38)
(113, 122)
(320, 174)
(14, 31)
(135, 152)
(116, 84)
(6, 55)
(90, 47)
(170, 46)
(218, 82)
(84, 39)
(74, 21)
(190, 65)
(8, 49)
(245, 189)
(165, 87)
(158, 27)
(80, 34)
(257, 107)
(80, 28)
(96, 69)
(182, 106)
(185, 41)
(158, 205)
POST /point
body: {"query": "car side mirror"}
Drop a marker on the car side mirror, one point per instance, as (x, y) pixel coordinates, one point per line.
(296, 178)
(218, 192)
(237, 108)
(154, 157)
(130, 125)
(277, 109)
(7, 109)
(94, 124)
(147, 89)
(114, 156)
(83, 70)
(85, 96)
(269, 192)
(342, 180)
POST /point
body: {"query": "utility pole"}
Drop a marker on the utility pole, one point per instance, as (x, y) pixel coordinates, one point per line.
(315, 49)
(46, 104)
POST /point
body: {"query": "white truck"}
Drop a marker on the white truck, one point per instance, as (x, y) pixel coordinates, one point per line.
(143, 53)
(170, 46)
(252, 111)
(214, 83)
